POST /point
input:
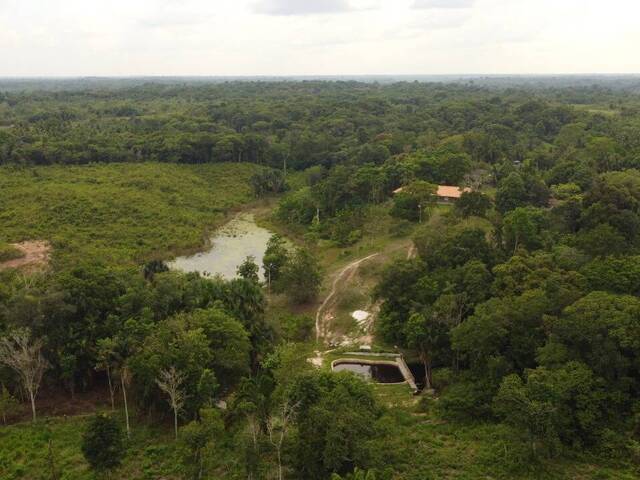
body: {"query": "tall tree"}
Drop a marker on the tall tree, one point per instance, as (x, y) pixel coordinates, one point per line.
(249, 269)
(102, 443)
(200, 437)
(301, 276)
(106, 351)
(24, 356)
(170, 382)
(428, 336)
(279, 424)
(275, 258)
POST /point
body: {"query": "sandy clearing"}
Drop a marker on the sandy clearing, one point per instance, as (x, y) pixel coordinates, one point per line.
(36, 255)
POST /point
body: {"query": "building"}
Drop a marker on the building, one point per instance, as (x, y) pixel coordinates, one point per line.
(449, 194)
(444, 194)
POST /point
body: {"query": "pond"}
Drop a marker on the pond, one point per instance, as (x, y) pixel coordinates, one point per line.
(230, 246)
(380, 373)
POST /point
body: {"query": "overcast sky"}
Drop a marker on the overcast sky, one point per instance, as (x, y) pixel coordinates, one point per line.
(317, 37)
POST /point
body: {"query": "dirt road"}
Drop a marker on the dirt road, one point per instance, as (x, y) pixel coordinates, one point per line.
(324, 315)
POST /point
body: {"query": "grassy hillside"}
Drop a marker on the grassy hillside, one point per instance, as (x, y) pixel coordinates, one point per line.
(430, 447)
(25, 454)
(119, 212)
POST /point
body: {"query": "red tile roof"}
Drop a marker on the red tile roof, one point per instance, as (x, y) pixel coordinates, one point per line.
(443, 191)
(450, 192)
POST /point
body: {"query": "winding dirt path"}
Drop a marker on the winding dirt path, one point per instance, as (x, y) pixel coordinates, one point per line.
(322, 316)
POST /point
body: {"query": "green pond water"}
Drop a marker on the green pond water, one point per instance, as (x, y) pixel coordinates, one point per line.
(230, 246)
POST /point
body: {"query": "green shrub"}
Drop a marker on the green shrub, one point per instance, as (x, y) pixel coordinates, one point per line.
(442, 378)
(345, 228)
(103, 443)
(296, 328)
(402, 228)
(466, 401)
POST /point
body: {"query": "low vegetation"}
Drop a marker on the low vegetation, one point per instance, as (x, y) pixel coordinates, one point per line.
(119, 213)
(9, 252)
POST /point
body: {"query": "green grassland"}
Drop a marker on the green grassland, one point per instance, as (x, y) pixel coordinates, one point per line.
(119, 213)
(9, 252)
(28, 452)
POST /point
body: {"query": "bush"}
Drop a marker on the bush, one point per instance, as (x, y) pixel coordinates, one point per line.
(345, 228)
(7, 404)
(442, 378)
(615, 445)
(301, 277)
(466, 401)
(103, 443)
(296, 328)
(402, 228)
(405, 207)
(268, 180)
(473, 204)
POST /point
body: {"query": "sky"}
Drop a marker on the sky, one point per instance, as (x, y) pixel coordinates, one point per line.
(317, 37)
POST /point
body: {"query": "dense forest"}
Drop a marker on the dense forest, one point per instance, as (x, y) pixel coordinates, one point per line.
(520, 301)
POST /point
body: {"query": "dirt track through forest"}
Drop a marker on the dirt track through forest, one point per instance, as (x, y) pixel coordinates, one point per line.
(345, 274)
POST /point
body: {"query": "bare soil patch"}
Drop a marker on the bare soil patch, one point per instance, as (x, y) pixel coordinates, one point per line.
(325, 313)
(36, 256)
(345, 282)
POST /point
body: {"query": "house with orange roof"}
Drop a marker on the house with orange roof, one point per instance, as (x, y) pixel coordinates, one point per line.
(449, 194)
(445, 193)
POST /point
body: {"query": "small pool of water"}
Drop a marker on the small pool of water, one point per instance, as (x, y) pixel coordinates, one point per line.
(230, 246)
(380, 373)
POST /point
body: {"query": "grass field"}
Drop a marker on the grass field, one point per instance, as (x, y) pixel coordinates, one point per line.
(25, 453)
(9, 252)
(119, 213)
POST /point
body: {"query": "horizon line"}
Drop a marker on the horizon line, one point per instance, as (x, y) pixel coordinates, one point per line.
(332, 75)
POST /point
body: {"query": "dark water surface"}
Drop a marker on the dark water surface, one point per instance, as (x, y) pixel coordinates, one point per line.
(377, 373)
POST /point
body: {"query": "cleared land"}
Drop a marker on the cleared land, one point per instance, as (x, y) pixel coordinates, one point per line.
(119, 213)
(33, 255)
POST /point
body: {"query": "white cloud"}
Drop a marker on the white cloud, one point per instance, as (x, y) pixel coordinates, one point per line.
(425, 4)
(230, 37)
(301, 7)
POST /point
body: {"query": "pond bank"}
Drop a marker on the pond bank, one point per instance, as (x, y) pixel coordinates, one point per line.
(362, 362)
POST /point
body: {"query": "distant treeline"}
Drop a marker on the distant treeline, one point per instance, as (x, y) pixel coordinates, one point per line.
(300, 123)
